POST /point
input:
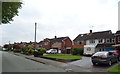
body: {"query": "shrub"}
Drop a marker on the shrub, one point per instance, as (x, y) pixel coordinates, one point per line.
(28, 50)
(39, 52)
(16, 50)
(77, 51)
(42, 51)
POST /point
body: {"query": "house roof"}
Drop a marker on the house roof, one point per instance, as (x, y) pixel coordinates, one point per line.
(118, 32)
(104, 45)
(57, 39)
(95, 35)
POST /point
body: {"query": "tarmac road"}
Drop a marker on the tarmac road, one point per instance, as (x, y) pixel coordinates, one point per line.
(13, 63)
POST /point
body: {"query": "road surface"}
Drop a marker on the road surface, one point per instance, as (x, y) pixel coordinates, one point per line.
(85, 62)
(13, 63)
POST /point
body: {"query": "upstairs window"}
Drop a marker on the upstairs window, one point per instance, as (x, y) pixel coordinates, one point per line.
(46, 43)
(80, 42)
(108, 40)
(111, 40)
(100, 40)
(92, 41)
(118, 39)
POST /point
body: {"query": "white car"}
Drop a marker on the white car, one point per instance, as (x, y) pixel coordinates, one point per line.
(51, 51)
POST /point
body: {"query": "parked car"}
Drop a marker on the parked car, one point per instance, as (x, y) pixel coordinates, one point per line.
(104, 58)
(51, 51)
(117, 53)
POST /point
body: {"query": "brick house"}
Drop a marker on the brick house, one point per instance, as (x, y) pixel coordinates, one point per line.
(80, 41)
(61, 43)
(117, 40)
(24, 44)
(117, 37)
(95, 41)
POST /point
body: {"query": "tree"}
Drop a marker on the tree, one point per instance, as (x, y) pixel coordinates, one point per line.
(9, 10)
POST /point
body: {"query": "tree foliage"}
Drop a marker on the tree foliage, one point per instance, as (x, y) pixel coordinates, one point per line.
(9, 10)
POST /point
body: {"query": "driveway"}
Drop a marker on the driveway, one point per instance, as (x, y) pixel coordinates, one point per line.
(85, 62)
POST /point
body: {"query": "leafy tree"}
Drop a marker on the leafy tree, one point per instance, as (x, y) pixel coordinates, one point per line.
(9, 10)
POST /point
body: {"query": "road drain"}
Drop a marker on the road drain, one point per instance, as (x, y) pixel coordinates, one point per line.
(35, 60)
(68, 70)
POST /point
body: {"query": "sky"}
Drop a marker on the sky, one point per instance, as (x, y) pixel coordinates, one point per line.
(60, 18)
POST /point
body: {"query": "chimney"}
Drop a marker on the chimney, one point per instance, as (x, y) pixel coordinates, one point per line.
(90, 31)
(55, 37)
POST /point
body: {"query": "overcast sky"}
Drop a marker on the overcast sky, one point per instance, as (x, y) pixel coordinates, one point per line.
(61, 18)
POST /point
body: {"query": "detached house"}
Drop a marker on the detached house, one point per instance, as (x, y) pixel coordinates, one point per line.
(95, 41)
(62, 43)
(117, 37)
(117, 40)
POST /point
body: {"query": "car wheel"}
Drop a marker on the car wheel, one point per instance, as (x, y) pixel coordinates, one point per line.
(119, 58)
(109, 63)
(117, 61)
(94, 63)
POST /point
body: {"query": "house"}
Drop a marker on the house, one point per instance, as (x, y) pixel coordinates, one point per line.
(24, 44)
(80, 41)
(61, 43)
(117, 37)
(95, 41)
(117, 40)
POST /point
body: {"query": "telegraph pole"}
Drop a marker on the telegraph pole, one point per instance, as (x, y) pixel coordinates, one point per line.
(35, 35)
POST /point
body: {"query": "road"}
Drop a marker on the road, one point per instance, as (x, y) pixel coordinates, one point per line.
(85, 62)
(13, 63)
(0, 61)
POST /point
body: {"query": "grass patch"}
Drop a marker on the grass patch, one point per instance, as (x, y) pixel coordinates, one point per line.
(65, 56)
(115, 69)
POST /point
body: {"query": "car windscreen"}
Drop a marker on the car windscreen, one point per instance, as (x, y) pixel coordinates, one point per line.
(100, 54)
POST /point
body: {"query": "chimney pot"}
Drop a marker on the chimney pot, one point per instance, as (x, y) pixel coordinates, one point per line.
(55, 37)
(90, 31)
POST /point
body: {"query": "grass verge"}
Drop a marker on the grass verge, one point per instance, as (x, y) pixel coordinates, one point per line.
(115, 69)
(63, 56)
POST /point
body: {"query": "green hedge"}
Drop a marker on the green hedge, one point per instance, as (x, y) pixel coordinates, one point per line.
(77, 51)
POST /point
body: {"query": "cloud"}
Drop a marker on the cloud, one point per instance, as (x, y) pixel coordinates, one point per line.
(61, 18)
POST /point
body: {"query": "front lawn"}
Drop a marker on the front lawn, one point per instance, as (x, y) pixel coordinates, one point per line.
(115, 69)
(63, 56)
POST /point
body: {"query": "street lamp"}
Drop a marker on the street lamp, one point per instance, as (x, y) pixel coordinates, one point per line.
(35, 35)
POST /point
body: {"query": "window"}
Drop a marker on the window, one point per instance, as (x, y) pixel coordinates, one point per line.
(80, 42)
(118, 39)
(100, 40)
(92, 41)
(111, 40)
(46, 43)
(108, 40)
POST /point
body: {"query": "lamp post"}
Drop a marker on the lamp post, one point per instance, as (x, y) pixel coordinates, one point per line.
(35, 35)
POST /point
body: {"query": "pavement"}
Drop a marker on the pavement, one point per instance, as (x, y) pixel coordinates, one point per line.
(67, 67)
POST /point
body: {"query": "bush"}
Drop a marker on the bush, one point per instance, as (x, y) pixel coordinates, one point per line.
(16, 50)
(42, 51)
(77, 51)
(28, 50)
(39, 52)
